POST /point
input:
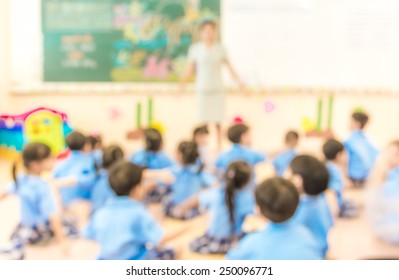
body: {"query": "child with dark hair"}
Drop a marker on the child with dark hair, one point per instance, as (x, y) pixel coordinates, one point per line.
(123, 227)
(101, 190)
(311, 177)
(153, 157)
(335, 155)
(77, 170)
(200, 137)
(362, 153)
(94, 146)
(282, 160)
(277, 200)
(239, 136)
(191, 178)
(40, 219)
(229, 205)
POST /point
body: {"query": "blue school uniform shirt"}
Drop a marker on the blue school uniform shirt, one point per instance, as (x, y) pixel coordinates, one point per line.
(391, 185)
(101, 190)
(214, 200)
(314, 213)
(151, 160)
(336, 181)
(285, 241)
(123, 228)
(189, 181)
(383, 206)
(282, 161)
(362, 155)
(238, 152)
(81, 166)
(97, 156)
(37, 203)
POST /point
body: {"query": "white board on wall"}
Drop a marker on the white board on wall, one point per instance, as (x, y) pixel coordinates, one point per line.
(329, 43)
(310, 43)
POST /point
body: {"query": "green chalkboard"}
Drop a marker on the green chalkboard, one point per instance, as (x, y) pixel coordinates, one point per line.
(120, 40)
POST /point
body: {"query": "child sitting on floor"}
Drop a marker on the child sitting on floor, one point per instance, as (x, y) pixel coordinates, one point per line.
(362, 154)
(239, 136)
(40, 219)
(311, 177)
(94, 147)
(191, 178)
(101, 190)
(200, 137)
(383, 197)
(229, 205)
(277, 199)
(78, 170)
(123, 227)
(153, 157)
(282, 161)
(335, 155)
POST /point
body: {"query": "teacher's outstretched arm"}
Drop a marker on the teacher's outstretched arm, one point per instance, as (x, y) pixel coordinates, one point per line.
(188, 73)
(234, 74)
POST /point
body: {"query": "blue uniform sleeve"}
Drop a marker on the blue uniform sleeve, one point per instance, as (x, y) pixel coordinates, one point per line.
(58, 170)
(87, 177)
(243, 251)
(299, 217)
(207, 179)
(336, 182)
(137, 158)
(257, 157)
(151, 231)
(207, 198)
(220, 162)
(168, 162)
(89, 231)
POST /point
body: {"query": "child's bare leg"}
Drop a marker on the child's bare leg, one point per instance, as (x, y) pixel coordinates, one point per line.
(79, 211)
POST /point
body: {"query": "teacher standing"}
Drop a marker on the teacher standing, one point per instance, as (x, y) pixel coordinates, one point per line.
(205, 59)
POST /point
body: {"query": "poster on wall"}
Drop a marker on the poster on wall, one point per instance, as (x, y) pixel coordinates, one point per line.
(120, 40)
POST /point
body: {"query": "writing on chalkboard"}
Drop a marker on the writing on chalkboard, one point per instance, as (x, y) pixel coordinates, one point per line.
(76, 49)
(78, 16)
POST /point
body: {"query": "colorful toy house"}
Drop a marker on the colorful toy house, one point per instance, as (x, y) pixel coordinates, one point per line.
(40, 125)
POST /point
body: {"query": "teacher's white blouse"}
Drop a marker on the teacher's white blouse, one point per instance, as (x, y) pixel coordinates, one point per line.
(208, 65)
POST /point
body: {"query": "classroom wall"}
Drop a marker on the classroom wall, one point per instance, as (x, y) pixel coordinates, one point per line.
(177, 112)
(4, 54)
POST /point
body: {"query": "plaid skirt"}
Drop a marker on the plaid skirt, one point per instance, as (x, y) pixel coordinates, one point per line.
(160, 253)
(34, 235)
(358, 183)
(207, 244)
(169, 207)
(157, 195)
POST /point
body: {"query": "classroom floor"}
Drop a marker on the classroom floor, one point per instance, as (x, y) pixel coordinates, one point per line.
(349, 239)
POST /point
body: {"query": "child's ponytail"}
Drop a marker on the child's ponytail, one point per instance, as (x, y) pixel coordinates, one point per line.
(14, 173)
(229, 197)
(237, 176)
(111, 155)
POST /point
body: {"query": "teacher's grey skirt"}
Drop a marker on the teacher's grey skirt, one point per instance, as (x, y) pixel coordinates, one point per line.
(210, 106)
